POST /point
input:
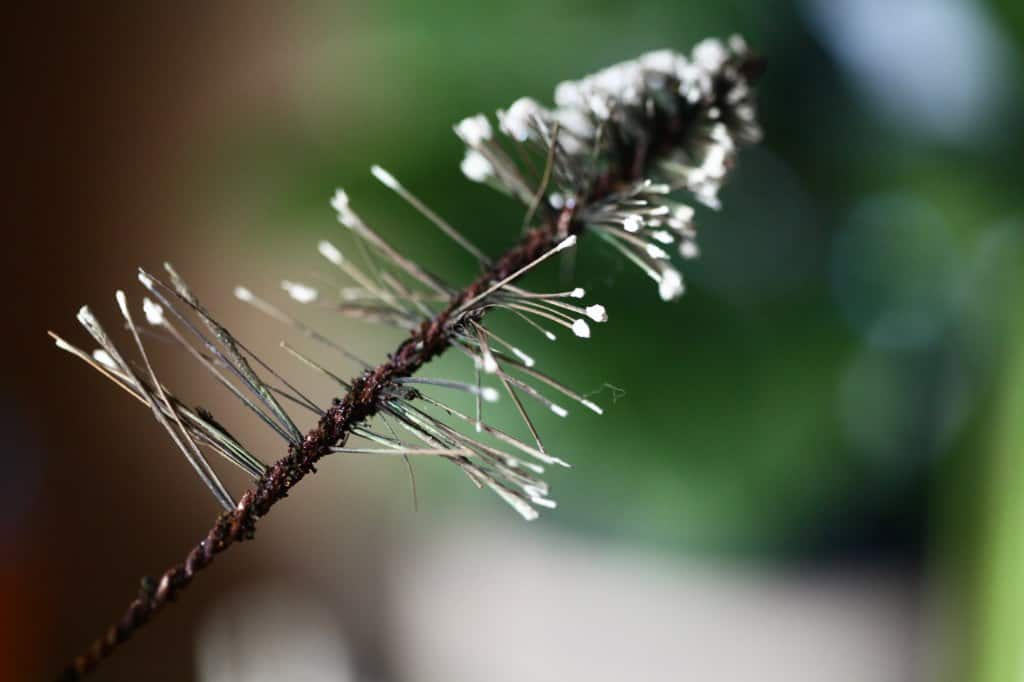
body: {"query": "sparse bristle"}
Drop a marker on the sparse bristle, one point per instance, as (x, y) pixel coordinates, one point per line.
(301, 293)
(386, 178)
(103, 357)
(581, 329)
(671, 286)
(655, 251)
(122, 302)
(154, 313)
(597, 313)
(85, 316)
(490, 365)
(330, 252)
(474, 130)
(476, 167)
(527, 360)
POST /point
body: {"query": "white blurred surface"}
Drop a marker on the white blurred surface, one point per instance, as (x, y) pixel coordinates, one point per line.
(527, 605)
(937, 67)
(269, 633)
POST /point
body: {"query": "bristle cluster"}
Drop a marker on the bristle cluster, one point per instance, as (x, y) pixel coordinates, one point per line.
(621, 140)
(608, 159)
(191, 429)
(413, 416)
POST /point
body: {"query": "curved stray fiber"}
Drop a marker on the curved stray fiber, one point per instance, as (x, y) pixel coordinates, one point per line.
(614, 157)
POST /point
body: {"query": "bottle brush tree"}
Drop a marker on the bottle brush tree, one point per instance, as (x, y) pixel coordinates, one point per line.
(614, 161)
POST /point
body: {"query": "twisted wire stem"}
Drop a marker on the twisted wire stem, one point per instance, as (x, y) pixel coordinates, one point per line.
(430, 340)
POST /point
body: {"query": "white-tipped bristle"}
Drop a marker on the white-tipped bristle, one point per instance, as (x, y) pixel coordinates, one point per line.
(520, 505)
(103, 357)
(633, 223)
(302, 293)
(476, 167)
(689, 249)
(559, 410)
(543, 502)
(663, 236)
(145, 280)
(578, 292)
(490, 365)
(479, 427)
(591, 406)
(683, 213)
(671, 285)
(85, 316)
(660, 60)
(154, 313)
(345, 214)
(538, 488)
(599, 106)
(517, 121)
(63, 345)
(330, 252)
(581, 329)
(122, 302)
(386, 178)
(474, 130)
(655, 251)
(548, 458)
(597, 313)
(339, 202)
(550, 336)
(532, 466)
(243, 294)
(566, 243)
(527, 360)
(489, 394)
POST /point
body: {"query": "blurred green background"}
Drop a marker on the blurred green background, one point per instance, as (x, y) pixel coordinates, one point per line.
(842, 330)
(843, 383)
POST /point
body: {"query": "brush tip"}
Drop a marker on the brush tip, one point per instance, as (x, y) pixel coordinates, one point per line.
(302, 293)
(330, 252)
(154, 313)
(671, 285)
(103, 357)
(386, 178)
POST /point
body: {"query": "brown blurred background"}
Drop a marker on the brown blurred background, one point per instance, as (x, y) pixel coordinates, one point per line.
(111, 109)
(790, 495)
